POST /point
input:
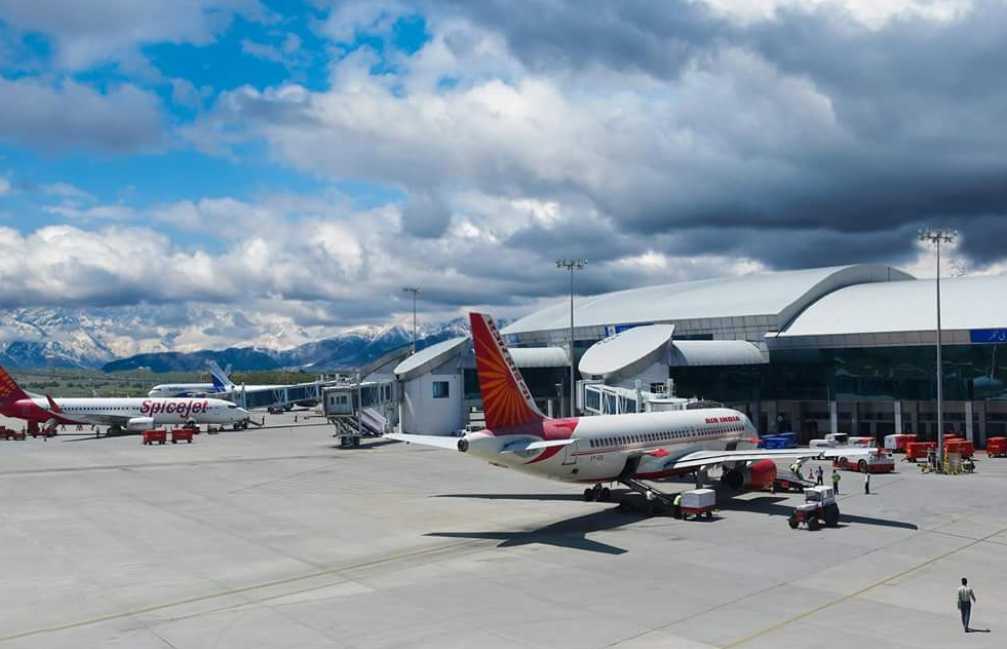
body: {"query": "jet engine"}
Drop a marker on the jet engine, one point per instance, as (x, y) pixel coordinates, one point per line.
(752, 476)
(139, 424)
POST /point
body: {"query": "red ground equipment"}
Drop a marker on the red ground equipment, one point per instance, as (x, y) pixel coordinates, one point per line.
(10, 433)
(919, 450)
(996, 447)
(897, 443)
(151, 436)
(959, 445)
(181, 435)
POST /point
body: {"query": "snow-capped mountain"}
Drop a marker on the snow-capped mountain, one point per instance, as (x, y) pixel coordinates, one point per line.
(165, 338)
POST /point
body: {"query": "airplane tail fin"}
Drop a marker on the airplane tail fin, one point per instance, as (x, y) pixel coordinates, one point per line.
(221, 381)
(507, 401)
(9, 389)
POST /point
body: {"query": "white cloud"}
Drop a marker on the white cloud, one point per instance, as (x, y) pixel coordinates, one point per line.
(261, 50)
(872, 13)
(70, 115)
(90, 33)
(91, 214)
(68, 192)
(4, 186)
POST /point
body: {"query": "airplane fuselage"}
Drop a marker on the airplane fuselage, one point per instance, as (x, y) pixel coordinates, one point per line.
(182, 390)
(121, 410)
(603, 444)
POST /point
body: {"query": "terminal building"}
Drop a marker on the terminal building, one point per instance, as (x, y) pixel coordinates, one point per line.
(842, 349)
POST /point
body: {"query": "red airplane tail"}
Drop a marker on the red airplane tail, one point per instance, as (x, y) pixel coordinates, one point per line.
(10, 391)
(507, 401)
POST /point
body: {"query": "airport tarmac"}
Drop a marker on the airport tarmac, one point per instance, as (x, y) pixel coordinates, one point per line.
(276, 538)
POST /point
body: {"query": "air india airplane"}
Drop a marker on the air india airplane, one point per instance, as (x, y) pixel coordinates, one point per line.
(118, 413)
(607, 449)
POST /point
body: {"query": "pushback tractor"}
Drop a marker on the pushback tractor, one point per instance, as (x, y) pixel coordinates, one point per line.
(819, 509)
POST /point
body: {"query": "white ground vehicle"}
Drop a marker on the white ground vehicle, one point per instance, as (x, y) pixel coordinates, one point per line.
(819, 509)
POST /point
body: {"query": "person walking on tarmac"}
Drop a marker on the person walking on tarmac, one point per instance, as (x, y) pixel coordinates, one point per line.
(819, 476)
(867, 483)
(965, 598)
(835, 481)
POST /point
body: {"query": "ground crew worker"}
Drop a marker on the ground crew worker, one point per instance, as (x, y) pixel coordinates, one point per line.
(820, 475)
(867, 483)
(677, 506)
(835, 481)
(965, 599)
(795, 468)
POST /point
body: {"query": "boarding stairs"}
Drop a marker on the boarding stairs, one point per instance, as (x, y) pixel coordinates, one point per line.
(350, 428)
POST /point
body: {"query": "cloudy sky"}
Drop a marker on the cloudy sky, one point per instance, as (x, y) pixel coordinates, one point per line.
(301, 163)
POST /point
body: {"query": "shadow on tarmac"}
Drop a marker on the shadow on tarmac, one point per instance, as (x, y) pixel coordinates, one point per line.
(769, 505)
(376, 443)
(571, 533)
(556, 497)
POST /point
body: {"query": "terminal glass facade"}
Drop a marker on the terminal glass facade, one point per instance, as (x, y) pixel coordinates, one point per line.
(971, 372)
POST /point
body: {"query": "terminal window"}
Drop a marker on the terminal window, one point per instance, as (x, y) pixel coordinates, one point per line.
(441, 390)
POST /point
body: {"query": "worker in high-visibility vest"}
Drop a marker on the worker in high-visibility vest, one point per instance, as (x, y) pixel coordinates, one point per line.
(835, 481)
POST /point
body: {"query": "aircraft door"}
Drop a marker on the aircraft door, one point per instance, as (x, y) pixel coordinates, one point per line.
(570, 453)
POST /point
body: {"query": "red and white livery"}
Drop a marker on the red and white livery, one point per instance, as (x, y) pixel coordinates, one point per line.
(123, 413)
(606, 448)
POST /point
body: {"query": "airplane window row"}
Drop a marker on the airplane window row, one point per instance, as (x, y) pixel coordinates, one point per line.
(662, 436)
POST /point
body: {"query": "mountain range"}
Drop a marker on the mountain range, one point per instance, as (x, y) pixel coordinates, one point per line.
(107, 339)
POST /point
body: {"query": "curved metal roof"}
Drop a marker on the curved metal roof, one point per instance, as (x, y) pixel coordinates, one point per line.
(698, 353)
(966, 303)
(528, 357)
(428, 358)
(778, 296)
(626, 350)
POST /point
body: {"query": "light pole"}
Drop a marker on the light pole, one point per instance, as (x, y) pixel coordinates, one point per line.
(571, 265)
(935, 237)
(415, 291)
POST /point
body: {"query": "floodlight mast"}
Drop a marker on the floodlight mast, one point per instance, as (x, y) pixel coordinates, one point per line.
(570, 265)
(935, 237)
(414, 291)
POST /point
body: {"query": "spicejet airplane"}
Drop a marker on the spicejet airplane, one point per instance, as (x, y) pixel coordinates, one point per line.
(129, 414)
(606, 449)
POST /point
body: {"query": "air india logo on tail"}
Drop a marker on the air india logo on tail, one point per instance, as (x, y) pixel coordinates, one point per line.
(8, 388)
(507, 401)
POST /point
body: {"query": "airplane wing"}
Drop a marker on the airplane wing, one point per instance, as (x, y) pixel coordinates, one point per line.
(710, 458)
(437, 441)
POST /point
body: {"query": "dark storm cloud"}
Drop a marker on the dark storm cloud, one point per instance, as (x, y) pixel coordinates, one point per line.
(918, 135)
(425, 216)
(653, 37)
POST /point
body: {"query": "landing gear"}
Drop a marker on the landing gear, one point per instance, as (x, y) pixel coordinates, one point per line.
(733, 479)
(597, 493)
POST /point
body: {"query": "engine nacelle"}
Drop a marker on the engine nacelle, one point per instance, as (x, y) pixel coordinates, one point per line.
(139, 424)
(755, 476)
(761, 475)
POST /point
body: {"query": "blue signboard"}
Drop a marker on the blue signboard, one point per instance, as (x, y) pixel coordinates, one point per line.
(988, 336)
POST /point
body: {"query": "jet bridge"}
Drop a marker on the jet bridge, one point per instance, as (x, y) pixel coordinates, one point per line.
(360, 409)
